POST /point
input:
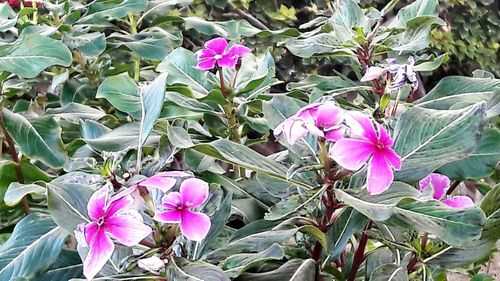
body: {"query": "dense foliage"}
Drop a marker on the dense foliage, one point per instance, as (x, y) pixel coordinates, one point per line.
(243, 140)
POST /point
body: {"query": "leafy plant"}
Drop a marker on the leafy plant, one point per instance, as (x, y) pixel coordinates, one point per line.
(218, 140)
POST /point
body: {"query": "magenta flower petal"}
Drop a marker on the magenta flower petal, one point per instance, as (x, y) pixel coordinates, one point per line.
(351, 154)
(159, 182)
(380, 175)
(238, 50)
(205, 54)
(171, 216)
(97, 203)
(90, 231)
(384, 137)
(217, 45)
(119, 204)
(440, 184)
(127, 230)
(392, 157)
(206, 64)
(194, 192)
(227, 61)
(335, 134)
(172, 200)
(361, 126)
(100, 250)
(195, 225)
(292, 129)
(329, 115)
(459, 202)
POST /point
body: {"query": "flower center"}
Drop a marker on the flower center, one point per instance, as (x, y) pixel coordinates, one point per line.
(380, 145)
(100, 221)
(217, 57)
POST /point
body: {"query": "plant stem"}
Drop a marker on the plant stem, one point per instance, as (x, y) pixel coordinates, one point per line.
(453, 186)
(396, 102)
(359, 254)
(135, 58)
(325, 159)
(15, 158)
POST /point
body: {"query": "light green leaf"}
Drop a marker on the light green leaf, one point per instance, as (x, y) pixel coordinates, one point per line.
(389, 272)
(68, 265)
(8, 17)
(122, 92)
(90, 44)
(38, 138)
(74, 112)
(179, 137)
(323, 43)
(236, 264)
(16, 191)
(293, 204)
(295, 269)
(112, 8)
(347, 17)
(458, 92)
(180, 65)
(415, 9)
(480, 163)
(67, 203)
(152, 45)
(31, 54)
(431, 65)
(152, 97)
(32, 248)
(426, 139)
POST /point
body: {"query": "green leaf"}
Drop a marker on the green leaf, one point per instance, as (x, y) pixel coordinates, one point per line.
(234, 29)
(324, 83)
(236, 264)
(179, 137)
(122, 92)
(293, 270)
(455, 227)
(205, 271)
(112, 8)
(323, 43)
(120, 138)
(431, 65)
(186, 102)
(293, 204)
(453, 257)
(180, 65)
(38, 138)
(346, 18)
(68, 265)
(31, 54)
(480, 163)
(151, 97)
(228, 151)
(417, 34)
(8, 17)
(389, 272)
(90, 44)
(346, 225)
(454, 92)
(426, 139)
(16, 191)
(152, 45)
(67, 203)
(218, 219)
(74, 112)
(33, 247)
(415, 9)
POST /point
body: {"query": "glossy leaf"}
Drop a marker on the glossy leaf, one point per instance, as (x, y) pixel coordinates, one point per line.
(122, 92)
(17, 191)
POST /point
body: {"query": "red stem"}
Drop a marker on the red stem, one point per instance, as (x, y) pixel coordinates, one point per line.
(359, 254)
(15, 158)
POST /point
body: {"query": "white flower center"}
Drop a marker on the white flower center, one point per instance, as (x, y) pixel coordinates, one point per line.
(217, 57)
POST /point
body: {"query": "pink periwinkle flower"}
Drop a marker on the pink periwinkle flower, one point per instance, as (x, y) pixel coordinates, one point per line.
(112, 218)
(217, 52)
(440, 184)
(320, 119)
(371, 146)
(402, 74)
(177, 208)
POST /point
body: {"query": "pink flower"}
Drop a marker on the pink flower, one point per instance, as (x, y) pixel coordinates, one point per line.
(440, 184)
(111, 218)
(368, 145)
(177, 209)
(216, 51)
(320, 119)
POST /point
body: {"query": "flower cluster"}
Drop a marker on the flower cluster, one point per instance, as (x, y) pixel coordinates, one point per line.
(367, 144)
(117, 218)
(439, 185)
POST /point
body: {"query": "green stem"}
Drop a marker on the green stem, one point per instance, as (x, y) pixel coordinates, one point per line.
(135, 58)
(325, 160)
(396, 102)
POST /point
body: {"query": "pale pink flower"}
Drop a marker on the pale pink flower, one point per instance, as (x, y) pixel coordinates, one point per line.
(440, 184)
(111, 218)
(320, 119)
(402, 74)
(371, 146)
(178, 209)
(217, 52)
